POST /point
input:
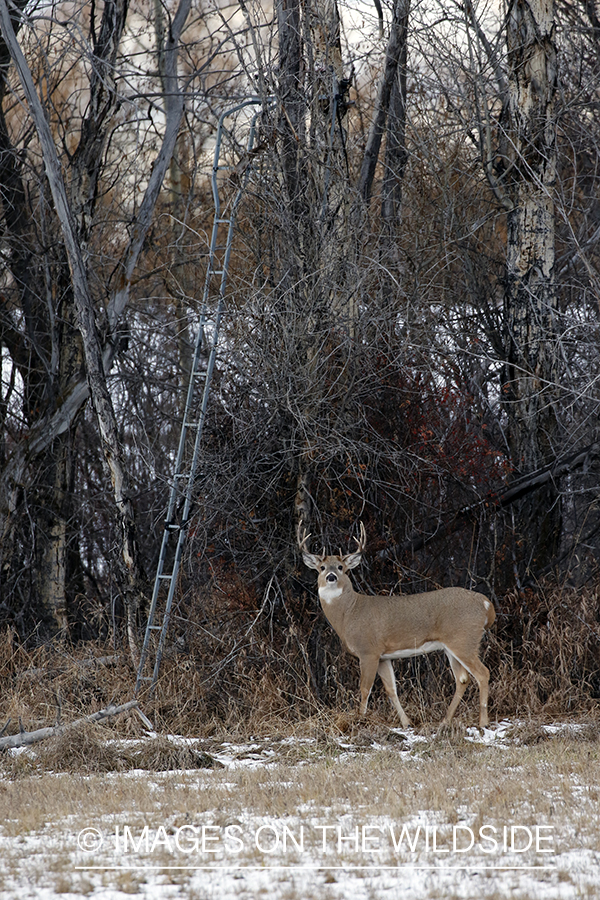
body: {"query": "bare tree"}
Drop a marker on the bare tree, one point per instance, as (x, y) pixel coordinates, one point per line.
(412, 306)
(529, 384)
(391, 103)
(75, 211)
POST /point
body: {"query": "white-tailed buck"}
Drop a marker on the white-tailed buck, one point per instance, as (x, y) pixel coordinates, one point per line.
(382, 628)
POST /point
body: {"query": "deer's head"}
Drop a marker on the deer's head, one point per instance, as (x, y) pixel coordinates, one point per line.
(332, 569)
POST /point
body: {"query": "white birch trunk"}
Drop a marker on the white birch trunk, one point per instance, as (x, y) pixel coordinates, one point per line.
(530, 295)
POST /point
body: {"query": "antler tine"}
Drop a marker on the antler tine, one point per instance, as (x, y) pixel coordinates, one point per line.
(362, 541)
(302, 536)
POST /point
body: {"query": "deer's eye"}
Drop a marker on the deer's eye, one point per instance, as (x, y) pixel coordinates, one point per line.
(340, 568)
(322, 568)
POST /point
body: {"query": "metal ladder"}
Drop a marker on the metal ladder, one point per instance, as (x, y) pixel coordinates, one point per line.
(182, 486)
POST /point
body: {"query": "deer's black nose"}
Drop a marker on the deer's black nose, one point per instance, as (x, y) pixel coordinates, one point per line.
(332, 577)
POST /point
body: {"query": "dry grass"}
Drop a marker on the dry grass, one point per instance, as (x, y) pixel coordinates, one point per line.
(448, 774)
(280, 710)
(447, 781)
(254, 676)
(92, 749)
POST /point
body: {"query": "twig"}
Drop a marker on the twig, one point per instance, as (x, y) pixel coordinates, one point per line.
(148, 724)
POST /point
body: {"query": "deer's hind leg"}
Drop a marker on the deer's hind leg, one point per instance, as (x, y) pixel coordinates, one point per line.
(462, 668)
(461, 677)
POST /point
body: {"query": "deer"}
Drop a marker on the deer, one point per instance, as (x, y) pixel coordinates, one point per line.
(379, 629)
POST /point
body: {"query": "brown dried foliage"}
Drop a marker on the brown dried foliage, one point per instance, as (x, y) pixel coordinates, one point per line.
(231, 672)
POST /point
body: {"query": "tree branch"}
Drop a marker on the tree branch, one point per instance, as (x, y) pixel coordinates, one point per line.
(526, 485)
(33, 737)
(174, 105)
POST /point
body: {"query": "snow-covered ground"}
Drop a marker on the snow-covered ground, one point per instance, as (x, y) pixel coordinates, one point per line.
(203, 848)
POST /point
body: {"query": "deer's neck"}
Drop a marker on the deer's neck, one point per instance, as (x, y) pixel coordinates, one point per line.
(329, 594)
(335, 602)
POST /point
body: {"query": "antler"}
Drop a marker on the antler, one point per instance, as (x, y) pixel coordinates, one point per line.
(302, 537)
(303, 543)
(362, 541)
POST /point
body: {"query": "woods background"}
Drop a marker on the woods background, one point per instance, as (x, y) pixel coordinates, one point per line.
(410, 339)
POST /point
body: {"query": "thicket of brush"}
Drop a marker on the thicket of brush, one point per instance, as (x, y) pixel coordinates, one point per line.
(246, 671)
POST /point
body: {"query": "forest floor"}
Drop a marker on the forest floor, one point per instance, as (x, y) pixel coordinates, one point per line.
(379, 812)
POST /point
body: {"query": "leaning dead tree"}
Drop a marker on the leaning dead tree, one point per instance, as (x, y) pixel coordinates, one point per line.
(25, 738)
(75, 209)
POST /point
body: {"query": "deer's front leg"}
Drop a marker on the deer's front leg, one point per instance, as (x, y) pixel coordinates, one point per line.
(368, 671)
(386, 673)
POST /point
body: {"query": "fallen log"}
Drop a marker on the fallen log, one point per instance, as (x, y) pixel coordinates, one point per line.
(32, 737)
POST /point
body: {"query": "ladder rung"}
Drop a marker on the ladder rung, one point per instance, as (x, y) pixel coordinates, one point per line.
(154, 627)
(165, 576)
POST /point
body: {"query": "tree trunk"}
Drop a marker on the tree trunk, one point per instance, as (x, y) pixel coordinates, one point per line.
(395, 147)
(47, 354)
(395, 56)
(75, 210)
(530, 299)
(54, 536)
(292, 101)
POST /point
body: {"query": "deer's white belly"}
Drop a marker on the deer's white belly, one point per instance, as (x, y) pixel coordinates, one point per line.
(427, 647)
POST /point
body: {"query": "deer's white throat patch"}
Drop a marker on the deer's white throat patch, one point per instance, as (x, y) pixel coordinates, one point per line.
(329, 592)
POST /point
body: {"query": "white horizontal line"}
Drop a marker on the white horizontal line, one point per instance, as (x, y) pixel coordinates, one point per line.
(399, 868)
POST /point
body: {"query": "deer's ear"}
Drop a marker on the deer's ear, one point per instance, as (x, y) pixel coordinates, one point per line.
(352, 560)
(312, 561)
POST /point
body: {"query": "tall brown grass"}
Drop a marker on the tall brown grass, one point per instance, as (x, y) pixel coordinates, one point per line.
(240, 671)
